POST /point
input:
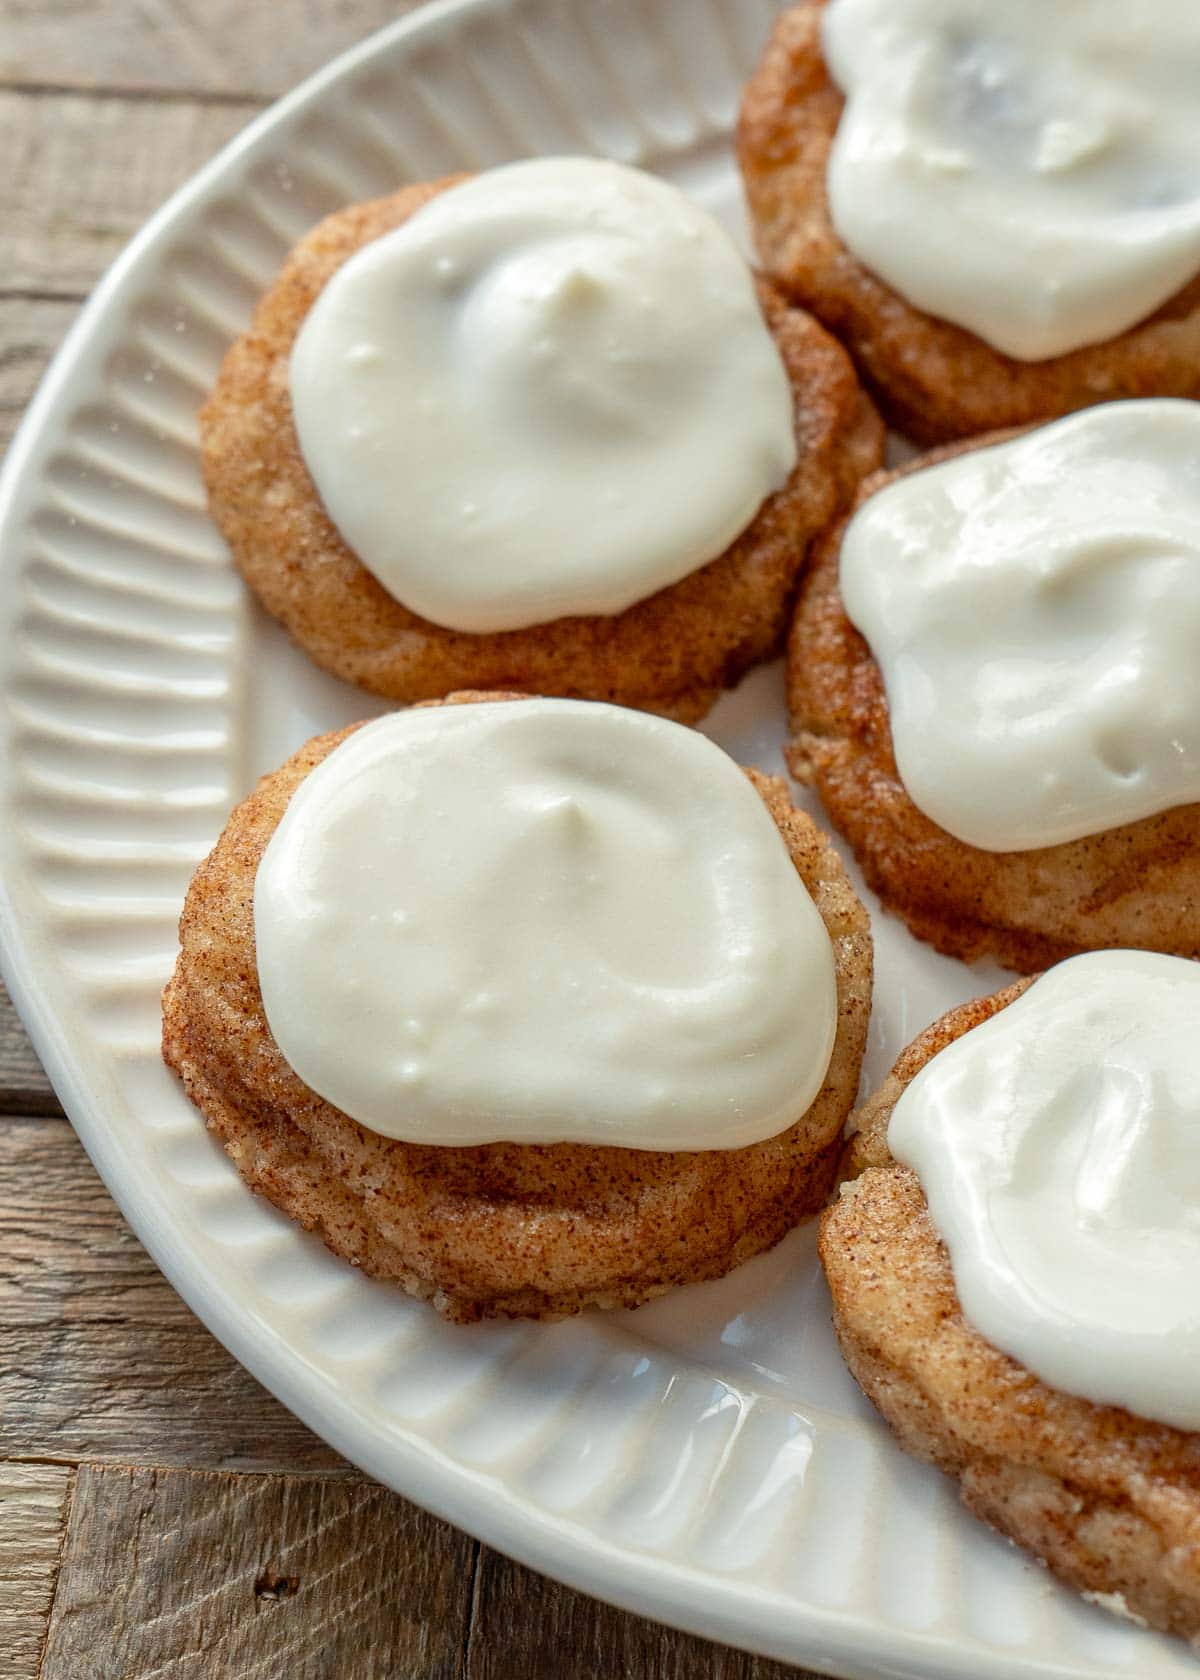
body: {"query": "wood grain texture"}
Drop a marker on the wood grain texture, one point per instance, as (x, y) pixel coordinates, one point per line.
(227, 47)
(101, 1360)
(24, 1088)
(31, 330)
(175, 1397)
(84, 173)
(69, 1257)
(579, 1638)
(33, 1504)
(186, 1576)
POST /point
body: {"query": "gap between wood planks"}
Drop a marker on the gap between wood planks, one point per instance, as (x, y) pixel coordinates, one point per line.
(190, 1575)
(206, 49)
(24, 1088)
(134, 95)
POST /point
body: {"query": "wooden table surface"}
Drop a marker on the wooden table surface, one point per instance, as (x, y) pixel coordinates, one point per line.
(160, 1513)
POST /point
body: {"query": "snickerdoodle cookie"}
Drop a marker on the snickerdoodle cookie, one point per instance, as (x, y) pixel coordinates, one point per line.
(1107, 1497)
(994, 245)
(1011, 742)
(631, 1015)
(533, 416)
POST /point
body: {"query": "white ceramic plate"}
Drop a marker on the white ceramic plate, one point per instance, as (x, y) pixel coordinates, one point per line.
(706, 1460)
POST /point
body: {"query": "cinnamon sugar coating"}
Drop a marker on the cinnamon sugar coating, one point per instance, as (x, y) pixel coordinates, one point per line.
(671, 653)
(1136, 885)
(497, 1230)
(1109, 1501)
(934, 381)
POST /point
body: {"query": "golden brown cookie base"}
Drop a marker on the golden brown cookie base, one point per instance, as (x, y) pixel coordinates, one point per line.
(1137, 885)
(1108, 1501)
(498, 1230)
(672, 653)
(934, 381)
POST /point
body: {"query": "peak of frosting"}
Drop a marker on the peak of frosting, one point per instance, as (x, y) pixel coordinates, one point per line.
(550, 392)
(543, 921)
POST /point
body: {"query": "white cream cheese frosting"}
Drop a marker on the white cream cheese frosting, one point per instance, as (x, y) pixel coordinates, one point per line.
(543, 921)
(1034, 609)
(551, 391)
(1058, 1147)
(1030, 171)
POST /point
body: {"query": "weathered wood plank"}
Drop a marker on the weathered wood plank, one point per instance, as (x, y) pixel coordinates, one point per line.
(102, 1360)
(24, 1088)
(578, 1638)
(217, 46)
(31, 330)
(187, 1576)
(170, 1395)
(69, 1258)
(85, 171)
(33, 1506)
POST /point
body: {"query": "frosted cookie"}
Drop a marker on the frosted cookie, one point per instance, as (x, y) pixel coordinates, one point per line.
(996, 208)
(539, 429)
(525, 1005)
(993, 686)
(1015, 1270)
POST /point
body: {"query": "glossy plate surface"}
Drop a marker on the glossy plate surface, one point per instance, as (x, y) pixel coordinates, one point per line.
(706, 1460)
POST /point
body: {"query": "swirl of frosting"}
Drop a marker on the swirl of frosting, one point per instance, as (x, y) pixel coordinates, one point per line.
(551, 391)
(1058, 1146)
(1034, 609)
(543, 921)
(1028, 171)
